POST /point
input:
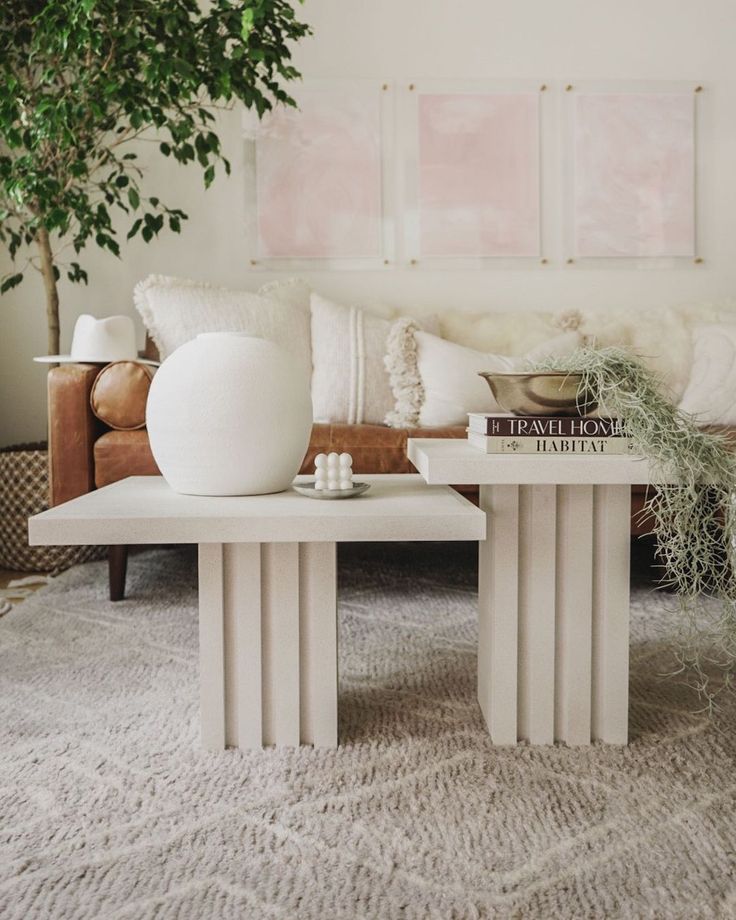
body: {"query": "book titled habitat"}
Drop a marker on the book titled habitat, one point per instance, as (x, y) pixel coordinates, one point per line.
(532, 445)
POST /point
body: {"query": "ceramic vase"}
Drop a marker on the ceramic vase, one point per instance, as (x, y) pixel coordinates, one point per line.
(229, 414)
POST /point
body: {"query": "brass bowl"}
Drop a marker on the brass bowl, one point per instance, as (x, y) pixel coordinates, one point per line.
(540, 393)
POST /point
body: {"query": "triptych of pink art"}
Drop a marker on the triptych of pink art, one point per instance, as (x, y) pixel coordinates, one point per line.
(475, 169)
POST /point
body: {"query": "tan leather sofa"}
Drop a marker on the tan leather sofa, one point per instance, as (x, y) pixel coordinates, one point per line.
(86, 454)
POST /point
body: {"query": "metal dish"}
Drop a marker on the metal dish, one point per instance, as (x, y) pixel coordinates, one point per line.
(308, 489)
(540, 393)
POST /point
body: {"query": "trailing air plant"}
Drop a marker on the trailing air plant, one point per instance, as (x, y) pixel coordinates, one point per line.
(693, 516)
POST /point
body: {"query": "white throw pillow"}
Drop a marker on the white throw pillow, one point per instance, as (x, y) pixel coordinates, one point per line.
(175, 311)
(349, 381)
(436, 383)
(710, 395)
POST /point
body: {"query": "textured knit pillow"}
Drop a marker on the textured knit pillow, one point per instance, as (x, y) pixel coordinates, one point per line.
(499, 332)
(710, 395)
(295, 292)
(435, 383)
(660, 337)
(175, 311)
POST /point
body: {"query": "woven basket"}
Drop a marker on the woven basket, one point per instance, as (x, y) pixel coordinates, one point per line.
(24, 490)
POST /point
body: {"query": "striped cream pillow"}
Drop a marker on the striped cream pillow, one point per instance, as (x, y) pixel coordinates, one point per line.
(349, 382)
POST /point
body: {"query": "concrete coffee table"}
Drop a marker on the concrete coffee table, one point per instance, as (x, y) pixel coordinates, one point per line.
(267, 586)
(553, 653)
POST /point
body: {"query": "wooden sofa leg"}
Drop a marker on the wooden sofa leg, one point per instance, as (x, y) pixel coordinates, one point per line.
(118, 566)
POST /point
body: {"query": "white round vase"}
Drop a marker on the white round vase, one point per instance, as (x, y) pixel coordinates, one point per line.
(229, 414)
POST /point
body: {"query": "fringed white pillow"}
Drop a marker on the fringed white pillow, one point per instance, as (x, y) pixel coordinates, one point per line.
(435, 383)
(175, 311)
(404, 377)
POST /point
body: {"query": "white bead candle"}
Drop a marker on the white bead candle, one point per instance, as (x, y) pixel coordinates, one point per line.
(333, 472)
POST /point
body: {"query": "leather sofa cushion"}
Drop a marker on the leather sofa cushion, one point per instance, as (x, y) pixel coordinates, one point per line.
(374, 448)
(119, 395)
(123, 453)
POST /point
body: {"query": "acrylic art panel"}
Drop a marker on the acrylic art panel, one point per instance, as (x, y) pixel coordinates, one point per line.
(318, 177)
(478, 162)
(634, 174)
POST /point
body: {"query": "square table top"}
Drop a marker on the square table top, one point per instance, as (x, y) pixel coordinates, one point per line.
(144, 509)
(453, 460)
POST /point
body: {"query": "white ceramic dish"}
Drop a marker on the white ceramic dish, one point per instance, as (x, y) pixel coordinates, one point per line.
(308, 489)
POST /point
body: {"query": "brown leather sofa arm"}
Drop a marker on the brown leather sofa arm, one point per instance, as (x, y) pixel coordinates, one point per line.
(73, 430)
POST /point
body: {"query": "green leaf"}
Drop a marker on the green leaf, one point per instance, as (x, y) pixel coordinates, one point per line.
(133, 197)
(202, 146)
(76, 274)
(10, 282)
(246, 23)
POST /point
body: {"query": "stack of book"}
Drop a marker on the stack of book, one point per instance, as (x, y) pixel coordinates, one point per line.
(537, 434)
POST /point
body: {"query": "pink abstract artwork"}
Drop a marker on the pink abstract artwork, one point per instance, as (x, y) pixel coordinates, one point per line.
(478, 174)
(318, 178)
(634, 175)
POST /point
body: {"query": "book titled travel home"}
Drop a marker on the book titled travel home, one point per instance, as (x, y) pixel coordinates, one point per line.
(551, 446)
(539, 426)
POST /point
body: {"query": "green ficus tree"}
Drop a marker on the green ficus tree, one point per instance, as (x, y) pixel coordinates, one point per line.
(81, 79)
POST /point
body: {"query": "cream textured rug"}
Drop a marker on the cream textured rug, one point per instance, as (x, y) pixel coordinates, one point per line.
(108, 809)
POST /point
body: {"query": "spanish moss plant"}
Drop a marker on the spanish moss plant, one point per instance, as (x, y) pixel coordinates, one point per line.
(693, 517)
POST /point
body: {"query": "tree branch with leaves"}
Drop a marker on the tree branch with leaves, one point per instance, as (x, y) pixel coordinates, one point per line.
(80, 80)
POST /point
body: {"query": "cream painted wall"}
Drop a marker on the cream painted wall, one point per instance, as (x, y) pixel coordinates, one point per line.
(398, 40)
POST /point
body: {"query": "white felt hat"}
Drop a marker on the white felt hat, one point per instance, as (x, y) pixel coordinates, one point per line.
(100, 341)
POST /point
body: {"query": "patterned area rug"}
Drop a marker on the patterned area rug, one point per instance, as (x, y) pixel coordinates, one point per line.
(110, 810)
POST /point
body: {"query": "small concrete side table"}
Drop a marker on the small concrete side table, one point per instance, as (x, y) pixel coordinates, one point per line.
(553, 649)
(267, 586)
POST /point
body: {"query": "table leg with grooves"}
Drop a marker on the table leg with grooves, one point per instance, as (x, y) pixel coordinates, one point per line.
(268, 644)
